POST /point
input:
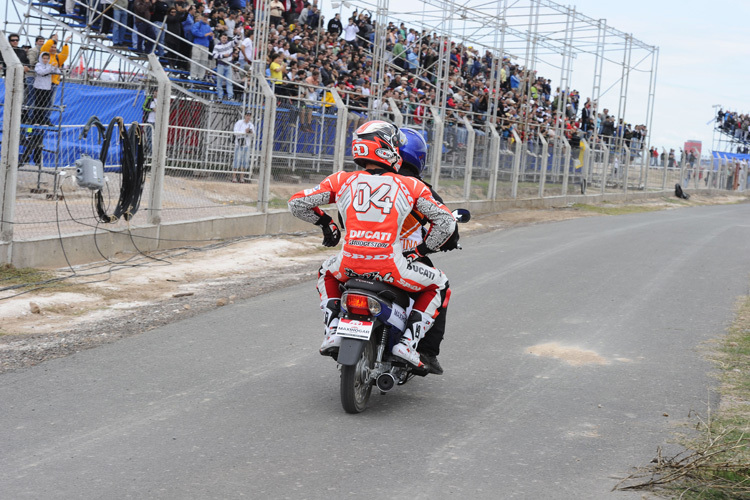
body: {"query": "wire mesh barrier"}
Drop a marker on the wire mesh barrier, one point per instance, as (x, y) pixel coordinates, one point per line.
(230, 137)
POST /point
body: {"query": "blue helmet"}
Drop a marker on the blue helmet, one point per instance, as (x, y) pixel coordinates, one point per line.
(414, 151)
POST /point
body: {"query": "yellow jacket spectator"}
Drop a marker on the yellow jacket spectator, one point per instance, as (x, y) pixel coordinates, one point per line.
(277, 68)
(56, 58)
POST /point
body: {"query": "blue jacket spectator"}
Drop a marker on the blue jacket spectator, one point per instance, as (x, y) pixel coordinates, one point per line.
(187, 27)
(200, 31)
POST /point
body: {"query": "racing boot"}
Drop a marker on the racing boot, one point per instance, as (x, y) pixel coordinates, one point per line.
(332, 342)
(406, 348)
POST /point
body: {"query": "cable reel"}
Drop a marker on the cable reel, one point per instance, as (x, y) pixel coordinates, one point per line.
(90, 172)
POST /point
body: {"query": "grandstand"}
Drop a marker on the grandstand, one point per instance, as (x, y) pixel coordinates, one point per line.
(491, 86)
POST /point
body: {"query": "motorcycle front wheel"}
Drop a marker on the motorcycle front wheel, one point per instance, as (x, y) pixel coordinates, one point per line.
(355, 386)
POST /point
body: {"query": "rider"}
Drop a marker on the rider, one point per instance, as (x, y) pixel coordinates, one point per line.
(414, 154)
(374, 204)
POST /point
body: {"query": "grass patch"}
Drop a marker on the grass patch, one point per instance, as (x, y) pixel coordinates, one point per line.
(25, 278)
(616, 210)
(278, 203)
(28, 279)
(716, 465)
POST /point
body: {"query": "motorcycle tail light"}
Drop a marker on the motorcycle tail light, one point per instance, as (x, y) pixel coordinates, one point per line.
(361, 304)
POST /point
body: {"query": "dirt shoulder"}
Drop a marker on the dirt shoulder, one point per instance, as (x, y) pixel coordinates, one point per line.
(110, 300)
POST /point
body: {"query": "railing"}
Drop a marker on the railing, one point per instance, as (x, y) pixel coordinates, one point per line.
(194, 155)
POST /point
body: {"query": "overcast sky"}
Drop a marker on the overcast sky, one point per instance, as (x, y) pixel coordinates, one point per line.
(704, 60)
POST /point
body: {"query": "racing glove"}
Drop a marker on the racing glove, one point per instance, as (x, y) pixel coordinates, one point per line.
(416, 253)
(331, 233)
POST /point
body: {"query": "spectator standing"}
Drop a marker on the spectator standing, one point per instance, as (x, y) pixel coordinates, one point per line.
(119, 14)
(43, 88)
(146, 34)
(14, 39)
(56, 59)
(175, 38)
(247, 49)
(302, 18)
(223, 57)
(149, 117)
(276, 9)
(231, 22)
(277, 69)
(28, 69)
(159, 15)
(312, 101)
(105, 11)
(244, 131)
(399, 53)
(350, 33)
(313, 18)
(334, 25)
(33, 55)
(202, 35)
(289, 11)
(187, 25)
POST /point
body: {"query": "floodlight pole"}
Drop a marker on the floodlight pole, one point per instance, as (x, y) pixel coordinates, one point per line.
(622, 103)
(497, 65)
(530, 64)
(650, 105)
(562, 100)
(596, 94)
(379, 57)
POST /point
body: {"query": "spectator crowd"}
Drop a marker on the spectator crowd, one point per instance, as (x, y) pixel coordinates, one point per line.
(736, 125)
(306, 56)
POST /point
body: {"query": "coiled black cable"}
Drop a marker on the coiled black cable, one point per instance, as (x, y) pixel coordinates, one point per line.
(133, 168)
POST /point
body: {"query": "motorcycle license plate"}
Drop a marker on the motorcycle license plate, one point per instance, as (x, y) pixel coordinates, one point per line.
(355, 329)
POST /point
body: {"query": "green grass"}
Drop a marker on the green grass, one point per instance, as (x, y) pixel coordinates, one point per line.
(278, 203)
(22, 278)
(616, 210)
(715, 464)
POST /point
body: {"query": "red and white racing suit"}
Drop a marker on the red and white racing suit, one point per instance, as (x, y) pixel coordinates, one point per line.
(374, 206)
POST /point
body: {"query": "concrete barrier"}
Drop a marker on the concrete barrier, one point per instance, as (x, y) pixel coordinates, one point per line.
(86, 247)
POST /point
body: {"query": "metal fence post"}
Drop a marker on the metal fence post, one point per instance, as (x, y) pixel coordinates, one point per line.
(494, 164)
(342, 123)
(625, 169)
(516, 164)
(605, 167)
(682, 170)
(161, 134)
(565, 165)
(266, 148)
(398, 117)
(12, 110)
(664, 165)
(470, 143)
(437, 142)
(544, 158)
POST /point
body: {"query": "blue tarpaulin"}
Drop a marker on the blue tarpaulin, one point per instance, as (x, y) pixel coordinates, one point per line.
(730, 156)
(81, 102)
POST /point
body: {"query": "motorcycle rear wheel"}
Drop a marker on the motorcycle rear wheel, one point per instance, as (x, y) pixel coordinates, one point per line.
(355, 386)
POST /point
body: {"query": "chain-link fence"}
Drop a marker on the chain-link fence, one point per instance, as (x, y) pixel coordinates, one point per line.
(210, 158)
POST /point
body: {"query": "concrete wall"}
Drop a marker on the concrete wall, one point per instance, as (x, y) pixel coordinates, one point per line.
(51, 252)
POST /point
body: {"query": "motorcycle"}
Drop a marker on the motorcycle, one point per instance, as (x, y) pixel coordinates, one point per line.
(373, 318)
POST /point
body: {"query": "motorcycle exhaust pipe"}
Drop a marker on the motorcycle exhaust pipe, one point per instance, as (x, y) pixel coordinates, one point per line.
(385, 382)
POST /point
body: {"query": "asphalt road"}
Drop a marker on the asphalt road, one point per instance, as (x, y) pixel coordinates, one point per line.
(238, 404)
